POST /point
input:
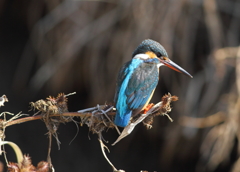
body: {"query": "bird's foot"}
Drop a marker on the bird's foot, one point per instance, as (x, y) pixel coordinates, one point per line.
(147, 108)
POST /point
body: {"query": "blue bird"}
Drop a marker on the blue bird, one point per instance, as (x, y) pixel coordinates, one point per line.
(138, 79)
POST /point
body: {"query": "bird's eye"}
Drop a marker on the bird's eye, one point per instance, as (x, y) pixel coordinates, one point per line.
(159, 54)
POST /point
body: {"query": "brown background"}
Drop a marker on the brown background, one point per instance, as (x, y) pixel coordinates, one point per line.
(47, 47)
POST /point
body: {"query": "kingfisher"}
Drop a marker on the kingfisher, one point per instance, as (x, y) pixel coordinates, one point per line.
(138, 79)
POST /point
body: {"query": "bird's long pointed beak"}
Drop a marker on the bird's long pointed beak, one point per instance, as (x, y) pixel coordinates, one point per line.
(167, 62)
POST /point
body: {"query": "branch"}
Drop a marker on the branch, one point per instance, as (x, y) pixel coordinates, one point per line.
(54, 111)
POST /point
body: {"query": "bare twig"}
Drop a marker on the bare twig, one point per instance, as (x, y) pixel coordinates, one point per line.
(103, 146)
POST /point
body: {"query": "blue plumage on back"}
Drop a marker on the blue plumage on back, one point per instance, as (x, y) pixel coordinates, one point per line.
(136, 81)
(124, 113)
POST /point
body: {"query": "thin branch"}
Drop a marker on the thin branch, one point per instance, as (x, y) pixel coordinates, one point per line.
(32, 118)
(103, 147)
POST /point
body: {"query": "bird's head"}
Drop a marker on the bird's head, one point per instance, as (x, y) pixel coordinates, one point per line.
(150, 49)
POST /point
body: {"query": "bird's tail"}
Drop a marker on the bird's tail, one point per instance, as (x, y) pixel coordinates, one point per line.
(122, 121)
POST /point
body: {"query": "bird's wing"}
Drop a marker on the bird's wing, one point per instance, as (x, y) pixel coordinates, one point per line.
(141, 85)
(121, 76)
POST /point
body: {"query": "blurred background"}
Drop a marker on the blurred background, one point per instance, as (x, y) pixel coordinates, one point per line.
(53, 46)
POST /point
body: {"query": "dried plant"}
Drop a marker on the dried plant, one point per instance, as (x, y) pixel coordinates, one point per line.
(53, 111)
(26, 166)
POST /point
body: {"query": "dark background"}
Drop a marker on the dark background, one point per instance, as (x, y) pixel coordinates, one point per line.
(53, 46)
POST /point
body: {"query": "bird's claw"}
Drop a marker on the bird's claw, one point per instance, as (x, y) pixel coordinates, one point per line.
(147, 108)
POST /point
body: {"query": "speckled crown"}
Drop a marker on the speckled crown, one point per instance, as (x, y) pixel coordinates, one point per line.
(150, 45)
